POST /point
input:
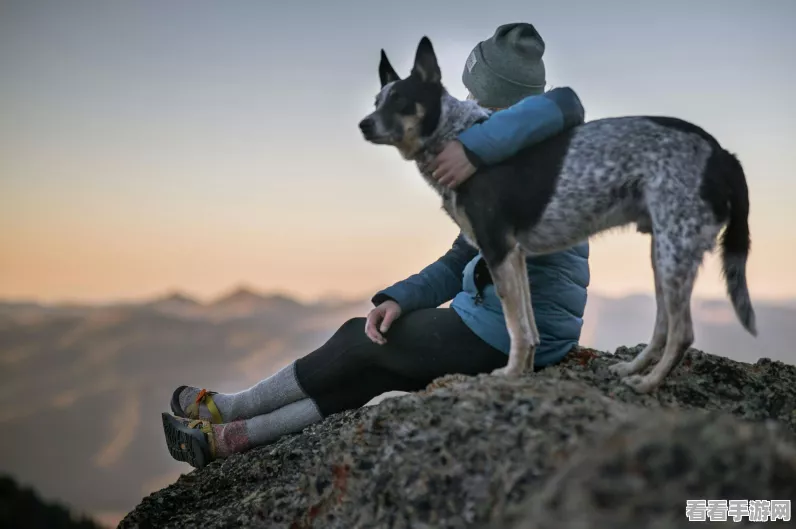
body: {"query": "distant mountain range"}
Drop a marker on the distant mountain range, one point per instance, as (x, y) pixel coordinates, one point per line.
(240, 302)
(82, 386)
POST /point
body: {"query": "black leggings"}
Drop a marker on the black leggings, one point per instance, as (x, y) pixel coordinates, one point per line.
(349, 369)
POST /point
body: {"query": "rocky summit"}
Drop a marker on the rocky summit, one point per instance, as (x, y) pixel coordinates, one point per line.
(569, 447)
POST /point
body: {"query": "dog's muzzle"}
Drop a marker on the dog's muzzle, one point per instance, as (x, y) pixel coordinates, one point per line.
(370, 131)
(368, 128)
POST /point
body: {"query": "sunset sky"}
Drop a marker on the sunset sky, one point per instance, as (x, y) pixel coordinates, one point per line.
(148, 146)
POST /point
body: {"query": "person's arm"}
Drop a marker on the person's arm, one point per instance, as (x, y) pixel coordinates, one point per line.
(435, 284)
(529, 121)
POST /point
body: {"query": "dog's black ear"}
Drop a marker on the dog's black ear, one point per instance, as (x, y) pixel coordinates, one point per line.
(426, 66)
(386, 72)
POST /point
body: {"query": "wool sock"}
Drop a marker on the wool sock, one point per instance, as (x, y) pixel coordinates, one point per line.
(242, 435)
(280, 389)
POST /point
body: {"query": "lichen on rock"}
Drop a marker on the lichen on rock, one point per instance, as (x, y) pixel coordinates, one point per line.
(567, 447)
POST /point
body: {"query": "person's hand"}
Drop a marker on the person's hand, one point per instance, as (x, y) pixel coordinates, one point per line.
(451, 167)
(379, 320)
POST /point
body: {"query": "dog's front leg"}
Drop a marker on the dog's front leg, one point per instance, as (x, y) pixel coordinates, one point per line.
(528, 315)
(511, 278)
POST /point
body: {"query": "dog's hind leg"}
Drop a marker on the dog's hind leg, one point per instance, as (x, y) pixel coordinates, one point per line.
(679, 249)
(652, 352)
(511, 283)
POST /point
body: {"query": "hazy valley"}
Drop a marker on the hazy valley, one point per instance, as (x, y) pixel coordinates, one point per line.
(83, 386)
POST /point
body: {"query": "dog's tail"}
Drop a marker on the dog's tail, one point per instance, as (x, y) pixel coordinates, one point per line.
(735, 243)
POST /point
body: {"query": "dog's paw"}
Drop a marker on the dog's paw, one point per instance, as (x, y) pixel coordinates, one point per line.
(640, 384)
(621, 369)
(507, 372)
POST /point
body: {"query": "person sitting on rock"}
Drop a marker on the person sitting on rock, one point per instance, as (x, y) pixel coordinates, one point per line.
(407, 340)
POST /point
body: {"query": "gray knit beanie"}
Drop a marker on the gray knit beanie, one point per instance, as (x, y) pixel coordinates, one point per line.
(506, 68)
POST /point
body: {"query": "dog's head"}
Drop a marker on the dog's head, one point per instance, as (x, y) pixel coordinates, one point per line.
(407, 110)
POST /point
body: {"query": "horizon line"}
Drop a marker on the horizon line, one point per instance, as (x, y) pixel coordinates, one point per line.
(330, 296)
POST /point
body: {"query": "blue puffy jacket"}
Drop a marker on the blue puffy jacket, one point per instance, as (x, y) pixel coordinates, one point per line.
(558, 281)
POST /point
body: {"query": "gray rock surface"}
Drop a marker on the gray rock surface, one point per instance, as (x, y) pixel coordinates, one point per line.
(570, 447)
(634, 476)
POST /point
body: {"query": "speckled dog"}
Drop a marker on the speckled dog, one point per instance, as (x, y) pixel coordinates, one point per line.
(669, 177)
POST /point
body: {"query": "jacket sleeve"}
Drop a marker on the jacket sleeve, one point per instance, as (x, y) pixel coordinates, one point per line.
(436, 284)
(527, 122)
